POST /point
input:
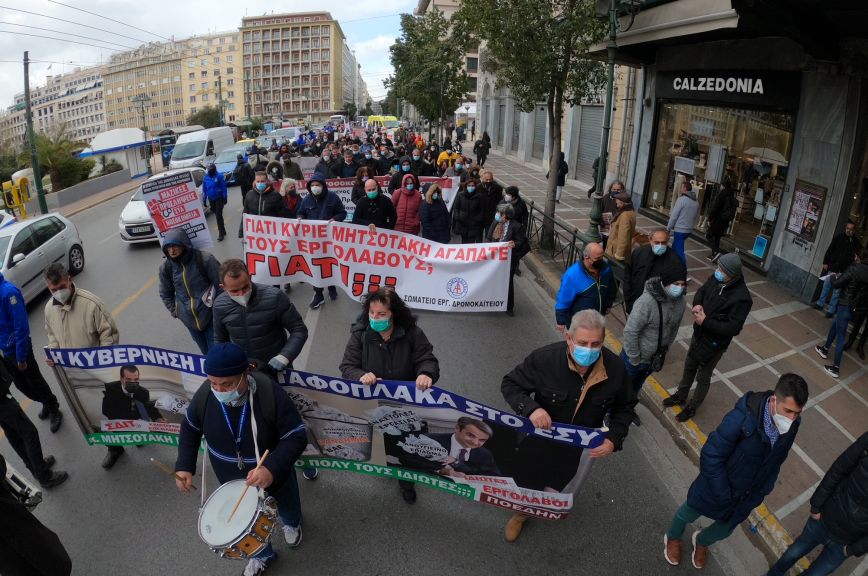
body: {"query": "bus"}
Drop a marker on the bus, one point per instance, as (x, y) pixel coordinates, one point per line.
(337, 119)
(383, 122)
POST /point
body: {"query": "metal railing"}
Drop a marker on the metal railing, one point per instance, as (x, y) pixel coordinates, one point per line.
(566, 242)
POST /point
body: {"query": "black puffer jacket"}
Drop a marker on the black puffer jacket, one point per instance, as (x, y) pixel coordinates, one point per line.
(855, 280)
(842, 498)
(840, 252)
(267, 203)
(467, 213)
(261, 327)
(726, 308)
(406, 355)
(644, 264)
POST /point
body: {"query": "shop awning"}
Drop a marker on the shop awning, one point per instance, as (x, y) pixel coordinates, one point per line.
(674, 19)
(469, 111)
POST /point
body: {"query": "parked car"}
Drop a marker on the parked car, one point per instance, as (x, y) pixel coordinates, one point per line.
(28, 247)
(227, 161)
(135, 223)
(7, 219)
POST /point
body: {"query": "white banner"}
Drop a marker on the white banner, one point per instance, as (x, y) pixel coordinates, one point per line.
(174, 202)
(427, 275)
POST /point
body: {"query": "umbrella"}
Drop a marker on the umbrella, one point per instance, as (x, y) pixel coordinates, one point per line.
(767, 155)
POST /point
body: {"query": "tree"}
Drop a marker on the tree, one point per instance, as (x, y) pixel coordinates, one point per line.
(350, 109)
(256, 123)
(207, 117)
(538, 48)
(389, 103)
(429, 63)
(9, 163)
(58, 157)
(367, 111)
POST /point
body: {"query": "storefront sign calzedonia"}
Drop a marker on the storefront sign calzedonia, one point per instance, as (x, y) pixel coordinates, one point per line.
(767, 89)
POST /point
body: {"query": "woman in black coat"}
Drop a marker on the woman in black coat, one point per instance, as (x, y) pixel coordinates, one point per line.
(719, 216)
(506, 228)
(436, 222)
(468, 220)
(385, 343)
(481, 148)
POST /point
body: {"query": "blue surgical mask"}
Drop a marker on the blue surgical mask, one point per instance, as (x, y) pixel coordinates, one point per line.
(228, 397)
(380, 325)
(497, 217)
(372, 195)
(405, 168)
(674, 291)
(261, 186)
(367, 156)
(718, 275)
(459, 167)
(585, 356)
(471, 189)
(659, 249)
(435, 196)
(410, 186)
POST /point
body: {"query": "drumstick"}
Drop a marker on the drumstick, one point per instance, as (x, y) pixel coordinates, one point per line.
(169, 471)
(240, 498)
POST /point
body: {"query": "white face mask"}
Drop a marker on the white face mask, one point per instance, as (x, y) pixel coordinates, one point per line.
(242, 299)
(62, 295)
(782, 423)
(316, 190)
(507, 198)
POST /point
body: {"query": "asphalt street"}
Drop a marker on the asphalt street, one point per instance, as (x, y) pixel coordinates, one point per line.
(132, 520)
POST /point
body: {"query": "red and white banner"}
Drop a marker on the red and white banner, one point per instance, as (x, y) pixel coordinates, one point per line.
(427, 275)
(174, 202)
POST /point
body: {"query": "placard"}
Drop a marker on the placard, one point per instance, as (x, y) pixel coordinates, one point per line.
(806, 209)
(173, 201)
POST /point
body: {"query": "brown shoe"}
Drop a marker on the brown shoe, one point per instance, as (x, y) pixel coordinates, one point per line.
(514, 526)
(672, 550)
(700, 553)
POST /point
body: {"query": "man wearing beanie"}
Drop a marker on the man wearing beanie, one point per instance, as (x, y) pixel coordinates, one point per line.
(653, 325)
(647, 262)
(221, 411)
(720, 309)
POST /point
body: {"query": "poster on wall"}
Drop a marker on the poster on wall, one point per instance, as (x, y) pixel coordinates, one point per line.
(805, 212)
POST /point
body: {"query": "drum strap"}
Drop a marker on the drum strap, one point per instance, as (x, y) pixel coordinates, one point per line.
(204, 474)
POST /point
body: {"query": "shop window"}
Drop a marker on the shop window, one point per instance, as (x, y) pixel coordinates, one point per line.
(708, 146)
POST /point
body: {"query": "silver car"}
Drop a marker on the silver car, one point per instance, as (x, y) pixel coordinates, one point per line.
(135, 223)
(28, 248)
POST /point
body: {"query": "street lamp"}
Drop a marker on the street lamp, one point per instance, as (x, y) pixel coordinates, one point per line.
(143, 100)
(592, 234)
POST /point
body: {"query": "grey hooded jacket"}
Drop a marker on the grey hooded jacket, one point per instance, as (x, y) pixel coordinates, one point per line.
(641, 331)
(184, 281)
(683, 215)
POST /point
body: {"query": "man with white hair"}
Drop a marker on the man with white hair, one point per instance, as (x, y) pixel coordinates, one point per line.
(573, 381)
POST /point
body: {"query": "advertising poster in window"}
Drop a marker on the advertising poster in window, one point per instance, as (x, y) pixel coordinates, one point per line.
(805, 212)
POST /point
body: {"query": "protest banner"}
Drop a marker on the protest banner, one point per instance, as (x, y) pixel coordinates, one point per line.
(174, 202)
(390, 430)
(428, 275)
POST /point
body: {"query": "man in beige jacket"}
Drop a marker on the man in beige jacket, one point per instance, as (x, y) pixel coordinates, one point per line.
(76, 318)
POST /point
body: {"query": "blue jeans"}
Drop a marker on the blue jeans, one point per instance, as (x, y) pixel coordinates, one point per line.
(838, 332)
(288, 508)
(204, 339)
(678, 245)
(636, 374)
(814, 534)
(836, 295)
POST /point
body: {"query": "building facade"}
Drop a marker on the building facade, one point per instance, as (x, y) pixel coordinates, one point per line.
(471, 58)
(212, 74)
(293, 66)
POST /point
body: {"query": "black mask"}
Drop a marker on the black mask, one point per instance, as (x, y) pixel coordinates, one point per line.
(599, 264)
(212, 171)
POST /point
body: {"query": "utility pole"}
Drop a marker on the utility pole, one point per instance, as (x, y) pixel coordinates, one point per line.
(220, 98)
(31, 137)
(142, 100)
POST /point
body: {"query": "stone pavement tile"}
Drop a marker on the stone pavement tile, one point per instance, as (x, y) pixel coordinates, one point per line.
(670, 376)
(758, 379)
(717, 403)
(817, 379)
(734, 357)
(751, 276)
(769, 346)
(759, 303)
(771, 291)
(860, 386)
(794, 332)
(819, 438)
(795, 521)
(795, 477)
(687, 319)
(814, 319)
(752, 333)
(848, 411)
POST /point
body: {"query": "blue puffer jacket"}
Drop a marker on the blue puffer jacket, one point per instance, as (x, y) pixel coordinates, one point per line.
(327, 206)
(214, 187)
(436, 223)
(738, 466)
(185, 280)
(14, 324)
(580, 291)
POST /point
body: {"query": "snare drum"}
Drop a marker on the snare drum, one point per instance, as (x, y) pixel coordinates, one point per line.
(24, 491)
(251, 526)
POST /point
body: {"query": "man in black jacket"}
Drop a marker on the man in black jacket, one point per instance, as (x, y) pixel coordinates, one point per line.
(244, 175)
(491, 193)
(574, 381)
(126, 399)
(235, 400)
(347, 168)
(257, 317)
(839, 255)
(646, 262)
(720, 309)
(839, 515)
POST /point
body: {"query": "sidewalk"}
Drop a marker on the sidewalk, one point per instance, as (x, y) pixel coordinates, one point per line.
(779, 337)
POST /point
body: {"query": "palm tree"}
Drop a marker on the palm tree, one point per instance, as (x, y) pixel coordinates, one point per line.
(57, 157)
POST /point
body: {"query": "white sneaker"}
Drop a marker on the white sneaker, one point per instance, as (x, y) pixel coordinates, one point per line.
(254, 567)
(292, 535)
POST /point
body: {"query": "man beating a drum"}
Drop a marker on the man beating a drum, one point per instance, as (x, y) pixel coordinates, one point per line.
(221, 411)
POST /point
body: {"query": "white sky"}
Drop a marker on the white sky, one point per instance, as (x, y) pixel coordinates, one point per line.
(370, 28)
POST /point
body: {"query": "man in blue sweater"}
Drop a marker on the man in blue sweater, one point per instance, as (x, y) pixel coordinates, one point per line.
(586, 285)
(215, 191)
(18, 353)
(226, 422)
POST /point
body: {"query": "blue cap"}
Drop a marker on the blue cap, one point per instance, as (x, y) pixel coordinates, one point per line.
(226, 359)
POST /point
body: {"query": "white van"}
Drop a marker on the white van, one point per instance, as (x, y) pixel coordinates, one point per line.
(200, 147)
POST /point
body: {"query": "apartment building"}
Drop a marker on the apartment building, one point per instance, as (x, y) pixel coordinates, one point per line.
(471, 58)
(293, 65)
(212, 74)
